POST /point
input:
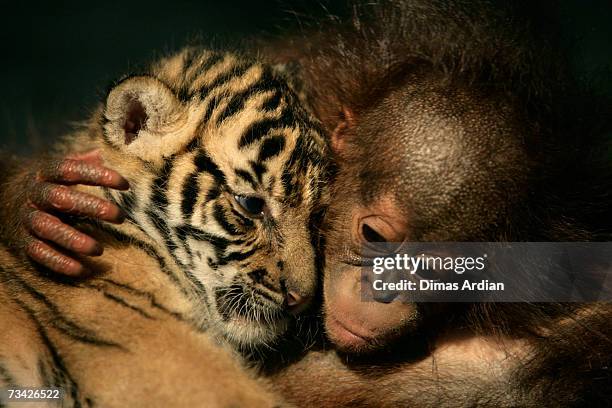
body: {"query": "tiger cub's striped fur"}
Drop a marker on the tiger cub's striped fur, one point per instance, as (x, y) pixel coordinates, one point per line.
(226, 172)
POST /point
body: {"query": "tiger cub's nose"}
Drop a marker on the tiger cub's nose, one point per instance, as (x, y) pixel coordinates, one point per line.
(296, 302)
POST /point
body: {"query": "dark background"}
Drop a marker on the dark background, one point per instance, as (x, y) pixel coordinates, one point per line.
(56, 59)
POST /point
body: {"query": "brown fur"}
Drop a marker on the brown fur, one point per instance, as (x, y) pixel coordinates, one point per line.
(454, 121)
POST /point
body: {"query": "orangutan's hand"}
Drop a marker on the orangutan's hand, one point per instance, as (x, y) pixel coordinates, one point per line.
(47, 239)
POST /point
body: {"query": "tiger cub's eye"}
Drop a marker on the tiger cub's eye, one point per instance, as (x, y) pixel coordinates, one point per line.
(251, 205)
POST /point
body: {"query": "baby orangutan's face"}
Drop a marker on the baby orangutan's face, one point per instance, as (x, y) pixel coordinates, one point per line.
(416, 166)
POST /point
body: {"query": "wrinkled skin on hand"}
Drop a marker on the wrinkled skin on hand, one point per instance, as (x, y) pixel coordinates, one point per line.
(38, 229)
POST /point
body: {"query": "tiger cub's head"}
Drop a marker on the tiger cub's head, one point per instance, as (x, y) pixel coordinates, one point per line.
(227, 174)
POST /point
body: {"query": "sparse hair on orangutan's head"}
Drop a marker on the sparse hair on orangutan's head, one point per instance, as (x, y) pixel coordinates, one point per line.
(358, 60)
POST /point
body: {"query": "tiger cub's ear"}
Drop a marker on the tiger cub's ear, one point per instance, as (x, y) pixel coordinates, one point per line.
(144, 118)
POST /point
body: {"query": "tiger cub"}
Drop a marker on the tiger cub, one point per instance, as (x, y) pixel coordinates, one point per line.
(227, 172)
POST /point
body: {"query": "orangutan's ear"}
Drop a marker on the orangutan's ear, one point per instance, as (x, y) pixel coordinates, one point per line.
(339, 135)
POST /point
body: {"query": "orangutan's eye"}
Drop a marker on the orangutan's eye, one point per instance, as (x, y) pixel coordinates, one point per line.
(369, 234)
